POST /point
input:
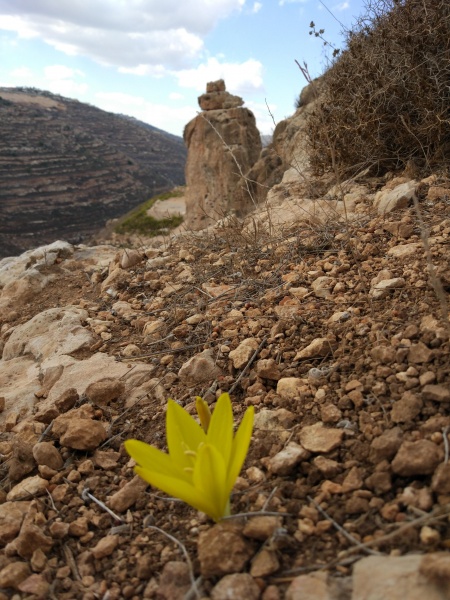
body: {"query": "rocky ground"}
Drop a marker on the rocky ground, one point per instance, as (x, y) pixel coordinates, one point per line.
(336, 332)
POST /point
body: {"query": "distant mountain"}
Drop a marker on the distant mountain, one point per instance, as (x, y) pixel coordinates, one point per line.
(67, 167)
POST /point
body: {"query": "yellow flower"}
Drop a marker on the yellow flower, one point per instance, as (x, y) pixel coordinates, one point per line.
(203, 463)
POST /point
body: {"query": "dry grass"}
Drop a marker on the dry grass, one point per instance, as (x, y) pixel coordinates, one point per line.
(386, 102)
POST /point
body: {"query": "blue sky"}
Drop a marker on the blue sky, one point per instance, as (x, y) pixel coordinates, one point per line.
(151, 59)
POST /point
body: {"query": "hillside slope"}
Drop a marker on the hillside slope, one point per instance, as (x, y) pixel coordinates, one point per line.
(67, 167)
(333, 332)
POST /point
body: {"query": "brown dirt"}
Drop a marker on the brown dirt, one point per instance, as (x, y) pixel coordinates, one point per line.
(356, 392)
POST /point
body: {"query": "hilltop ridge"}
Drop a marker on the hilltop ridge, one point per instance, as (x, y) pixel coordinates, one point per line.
(67, 167)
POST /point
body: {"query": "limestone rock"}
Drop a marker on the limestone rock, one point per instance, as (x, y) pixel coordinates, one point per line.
(319, 439)
(318, 347)
(105, 546)
(393, 578)
(388, 200)
(199, 368)
(28, 488)
(309, 587)
(290, 387)
(261, 528)
(175, 581)
(225, 132)
(223, 549)
(386, 445)
(285, 461)
(236, 585)
(407, 408)
(45, 453)
(127, 496)
(30, 538)
(36, 585)
(438, 393)
(242, 354)
(83, 434)
(267, 368)
(55, 331)
(103, 391)
(416, 458)
(13, 574)
(436, 568)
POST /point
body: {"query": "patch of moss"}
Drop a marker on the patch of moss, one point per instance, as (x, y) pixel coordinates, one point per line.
(138, 221)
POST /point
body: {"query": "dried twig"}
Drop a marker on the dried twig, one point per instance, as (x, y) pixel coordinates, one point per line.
(86, 495)
(344, 532)
(185, 554)
(71, 562)
(445, 431)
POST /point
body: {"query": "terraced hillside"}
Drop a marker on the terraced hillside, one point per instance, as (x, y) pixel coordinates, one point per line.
(67, 167)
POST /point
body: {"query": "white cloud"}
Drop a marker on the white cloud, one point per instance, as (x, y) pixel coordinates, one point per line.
(283, 2)
(342, 6)
(58, 79)
(240, 78)
(256, 7)
(134, 34)
(159, 115)
(175, 96)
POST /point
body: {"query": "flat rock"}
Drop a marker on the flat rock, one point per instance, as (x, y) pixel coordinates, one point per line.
(416, 458)
(19, 380)
(286, 460)
(261, 527)
(30, 487)
(52, 332)
(242, 354)
(436, 392)
(103, 391)
(319, 439)
(407, 408)
(291, 388)
(393, 578)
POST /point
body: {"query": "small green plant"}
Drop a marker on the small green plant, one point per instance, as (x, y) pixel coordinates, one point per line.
(138, 221)
(204, 459)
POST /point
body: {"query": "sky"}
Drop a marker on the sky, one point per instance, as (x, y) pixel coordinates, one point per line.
(151, 59)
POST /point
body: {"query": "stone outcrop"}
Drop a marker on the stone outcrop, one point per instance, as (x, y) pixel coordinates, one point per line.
(223, 143)
(284, 161)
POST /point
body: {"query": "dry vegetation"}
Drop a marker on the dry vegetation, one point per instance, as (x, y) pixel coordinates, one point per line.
(386, 102)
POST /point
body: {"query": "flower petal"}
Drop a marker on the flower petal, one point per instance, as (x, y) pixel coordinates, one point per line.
(204, 414)
(220, 431)
(152, 459)
(183, 433)
(210, 479)
(239, 449)
(178, 489)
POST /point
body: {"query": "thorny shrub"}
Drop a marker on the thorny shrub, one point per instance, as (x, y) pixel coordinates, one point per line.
(386, 99)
